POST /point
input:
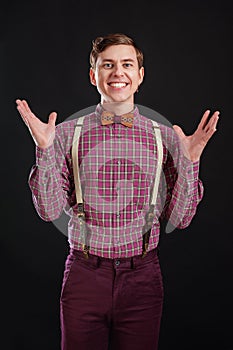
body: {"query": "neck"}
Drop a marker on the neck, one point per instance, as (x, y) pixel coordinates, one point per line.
(118, 108)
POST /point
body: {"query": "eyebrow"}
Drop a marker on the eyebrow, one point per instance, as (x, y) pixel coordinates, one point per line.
(124, 60)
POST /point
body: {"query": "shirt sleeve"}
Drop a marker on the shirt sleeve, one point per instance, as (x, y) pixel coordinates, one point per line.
(51, 180)
(184, 189)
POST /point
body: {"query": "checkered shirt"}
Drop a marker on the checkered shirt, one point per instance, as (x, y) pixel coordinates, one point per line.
(117, 171)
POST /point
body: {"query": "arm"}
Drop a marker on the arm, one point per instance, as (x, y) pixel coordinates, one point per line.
(184, 189)
(50, 180)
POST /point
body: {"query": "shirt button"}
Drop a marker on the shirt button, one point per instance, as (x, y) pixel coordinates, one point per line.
(117, 262)
(119, 162)
(118, 215)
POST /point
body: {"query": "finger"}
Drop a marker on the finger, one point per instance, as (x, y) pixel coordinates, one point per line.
(22, 114)
(212, 122)
(52, 118)
(20, 105)
(26, 111)
(179, 131)
(204, 120)
(22, 108)
(25, 104)
(212, 127)
(18, 101)
(210, 133)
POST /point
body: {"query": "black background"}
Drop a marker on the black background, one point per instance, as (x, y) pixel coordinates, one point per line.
(188, 68)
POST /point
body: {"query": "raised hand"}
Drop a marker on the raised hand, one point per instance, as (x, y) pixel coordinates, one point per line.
(42, 133)
(194, 144)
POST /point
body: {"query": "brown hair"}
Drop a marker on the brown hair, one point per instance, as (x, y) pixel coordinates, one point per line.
(101, 43)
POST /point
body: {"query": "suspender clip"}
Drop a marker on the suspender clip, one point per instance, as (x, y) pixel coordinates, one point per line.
(81, 210)
(145, 246)
(85, 251)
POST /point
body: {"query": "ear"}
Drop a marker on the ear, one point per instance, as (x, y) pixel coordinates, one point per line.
(141, 75)
(92, 76)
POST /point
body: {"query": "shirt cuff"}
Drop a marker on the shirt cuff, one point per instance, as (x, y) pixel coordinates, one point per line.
(190, 170)
(45, 157)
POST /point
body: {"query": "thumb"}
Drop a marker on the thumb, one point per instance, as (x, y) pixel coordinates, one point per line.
(179, 131)
(52, 118)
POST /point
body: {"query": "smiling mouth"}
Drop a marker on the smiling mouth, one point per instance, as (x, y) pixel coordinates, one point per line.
(118, 85)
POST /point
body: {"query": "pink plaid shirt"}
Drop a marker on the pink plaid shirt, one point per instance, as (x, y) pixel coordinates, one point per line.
(117, 172)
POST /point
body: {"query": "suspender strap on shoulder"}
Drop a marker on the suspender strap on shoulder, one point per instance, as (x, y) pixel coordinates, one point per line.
(159, 144)
(150, 214)
(78, 189)
(75, 144)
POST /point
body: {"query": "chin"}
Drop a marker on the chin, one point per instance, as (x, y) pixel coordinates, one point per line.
(120, 99)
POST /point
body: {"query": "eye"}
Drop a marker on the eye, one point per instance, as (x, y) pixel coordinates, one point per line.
(128, 65)
(108, 65)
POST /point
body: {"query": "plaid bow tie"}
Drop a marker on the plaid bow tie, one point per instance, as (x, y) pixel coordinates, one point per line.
(109, 118)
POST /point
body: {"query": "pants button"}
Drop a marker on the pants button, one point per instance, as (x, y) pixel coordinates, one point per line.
(117, 262)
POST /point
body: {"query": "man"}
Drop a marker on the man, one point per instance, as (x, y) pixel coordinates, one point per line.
(112, 291)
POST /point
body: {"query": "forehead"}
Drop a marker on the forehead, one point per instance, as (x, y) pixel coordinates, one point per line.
(118, 52)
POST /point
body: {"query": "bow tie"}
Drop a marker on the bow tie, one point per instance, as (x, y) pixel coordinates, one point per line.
(110, 118)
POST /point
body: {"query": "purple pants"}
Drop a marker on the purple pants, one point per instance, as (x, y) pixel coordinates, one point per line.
(111, 304)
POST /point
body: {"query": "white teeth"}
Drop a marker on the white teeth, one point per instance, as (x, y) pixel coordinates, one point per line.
(118, 85)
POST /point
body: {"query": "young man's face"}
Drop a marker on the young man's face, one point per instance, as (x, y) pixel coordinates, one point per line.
(117, 75)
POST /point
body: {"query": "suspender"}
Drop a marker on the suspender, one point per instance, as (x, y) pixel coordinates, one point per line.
(150, 214)
(159, 144)
(77, 184)
(78, 190)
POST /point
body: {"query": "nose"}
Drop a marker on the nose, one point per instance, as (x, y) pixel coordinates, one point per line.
(118, 71)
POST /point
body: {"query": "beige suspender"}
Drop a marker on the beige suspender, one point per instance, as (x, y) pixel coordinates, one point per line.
(78, 189)
(159, 144)
(77, 184)
(150, 214)
(76, 137)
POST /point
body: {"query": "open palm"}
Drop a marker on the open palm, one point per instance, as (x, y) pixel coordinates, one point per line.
(42, 133)
(193, 145)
